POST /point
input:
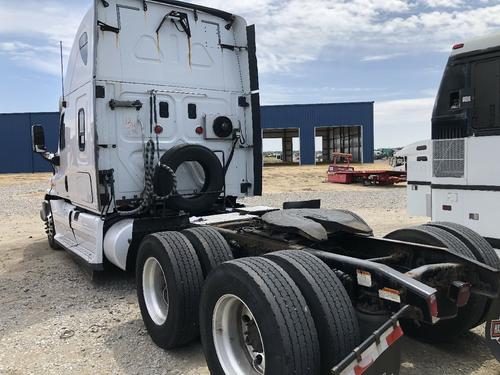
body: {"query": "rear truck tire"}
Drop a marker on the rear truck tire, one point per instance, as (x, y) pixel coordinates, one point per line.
(333, 313)
(169, 282)
(254, 320)
(214, 177)
(467, 316)
(482, 250)
(210, 246)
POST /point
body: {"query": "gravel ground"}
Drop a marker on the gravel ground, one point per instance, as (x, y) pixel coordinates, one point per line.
(54, 320)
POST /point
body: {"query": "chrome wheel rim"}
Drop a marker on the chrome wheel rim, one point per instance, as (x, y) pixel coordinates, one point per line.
(154, 285)
(237, 338)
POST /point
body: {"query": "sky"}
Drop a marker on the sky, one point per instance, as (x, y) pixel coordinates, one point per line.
(392, 52)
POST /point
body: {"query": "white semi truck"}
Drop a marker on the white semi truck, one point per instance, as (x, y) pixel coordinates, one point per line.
(455, 176)
(159, 137)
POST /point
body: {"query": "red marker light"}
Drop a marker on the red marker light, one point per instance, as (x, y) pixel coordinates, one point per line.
(433, 305)
(458, 46)
(199, 130)
(158, 129)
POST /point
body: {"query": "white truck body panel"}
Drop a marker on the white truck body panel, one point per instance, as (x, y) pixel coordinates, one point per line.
(182, 71)
(478, 44)
(419, 175)
(472, 200)
(80, 233)
(117, 241)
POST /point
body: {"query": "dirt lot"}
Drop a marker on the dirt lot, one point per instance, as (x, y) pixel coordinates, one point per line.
(54, 320)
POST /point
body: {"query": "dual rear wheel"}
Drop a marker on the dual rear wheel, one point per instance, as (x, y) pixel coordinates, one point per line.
(286, 313)
(461, 241)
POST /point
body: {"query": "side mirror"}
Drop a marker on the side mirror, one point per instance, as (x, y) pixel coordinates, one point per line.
(38, 139)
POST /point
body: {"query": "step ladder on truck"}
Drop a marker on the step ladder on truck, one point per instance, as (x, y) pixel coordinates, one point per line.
(160, 136)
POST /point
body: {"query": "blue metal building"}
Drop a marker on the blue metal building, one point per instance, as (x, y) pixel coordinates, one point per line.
(15, 141)
(344, 127)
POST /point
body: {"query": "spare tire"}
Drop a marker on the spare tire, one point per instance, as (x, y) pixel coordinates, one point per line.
(214, 177)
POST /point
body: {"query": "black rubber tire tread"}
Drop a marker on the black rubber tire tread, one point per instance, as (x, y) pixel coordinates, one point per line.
(51, 232)
(282, 313)
(210, 246)
(481, 248)
(184, 283)
(433, 236)
(214, 176)
(483, 252)
(468, 315)
(331, 308)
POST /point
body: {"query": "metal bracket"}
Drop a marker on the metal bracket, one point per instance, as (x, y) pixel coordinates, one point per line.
(105, 27)
(180, 17)
(233, 48)
(113, 104)
(243, 102)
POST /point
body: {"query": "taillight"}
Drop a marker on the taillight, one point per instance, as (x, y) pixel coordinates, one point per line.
(458, 46)
(460, 292)
(433, 305)
(158, 129)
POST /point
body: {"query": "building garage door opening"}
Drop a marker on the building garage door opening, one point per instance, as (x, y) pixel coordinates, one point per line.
(343, 139)
(281, 146)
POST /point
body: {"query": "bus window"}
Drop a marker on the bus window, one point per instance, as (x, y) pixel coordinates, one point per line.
(449, 93)
(485, 83)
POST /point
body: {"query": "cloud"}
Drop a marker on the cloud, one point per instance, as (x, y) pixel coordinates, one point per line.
(279, 94)
(443, 3)
(381, 57)
(402, 122)
(29, 56)
(293, 32)
(31, 31)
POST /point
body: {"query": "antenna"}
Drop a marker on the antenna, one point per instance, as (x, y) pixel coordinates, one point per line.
(62, 70)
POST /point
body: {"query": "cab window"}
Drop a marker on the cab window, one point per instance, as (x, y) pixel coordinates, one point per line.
(62, 134)
(81, 129)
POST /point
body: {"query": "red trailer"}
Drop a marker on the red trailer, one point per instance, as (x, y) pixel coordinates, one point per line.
(345, 174)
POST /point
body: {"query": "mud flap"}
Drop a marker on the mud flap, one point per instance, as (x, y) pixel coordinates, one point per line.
(492, 329)
(388, 363)
(379, 354)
